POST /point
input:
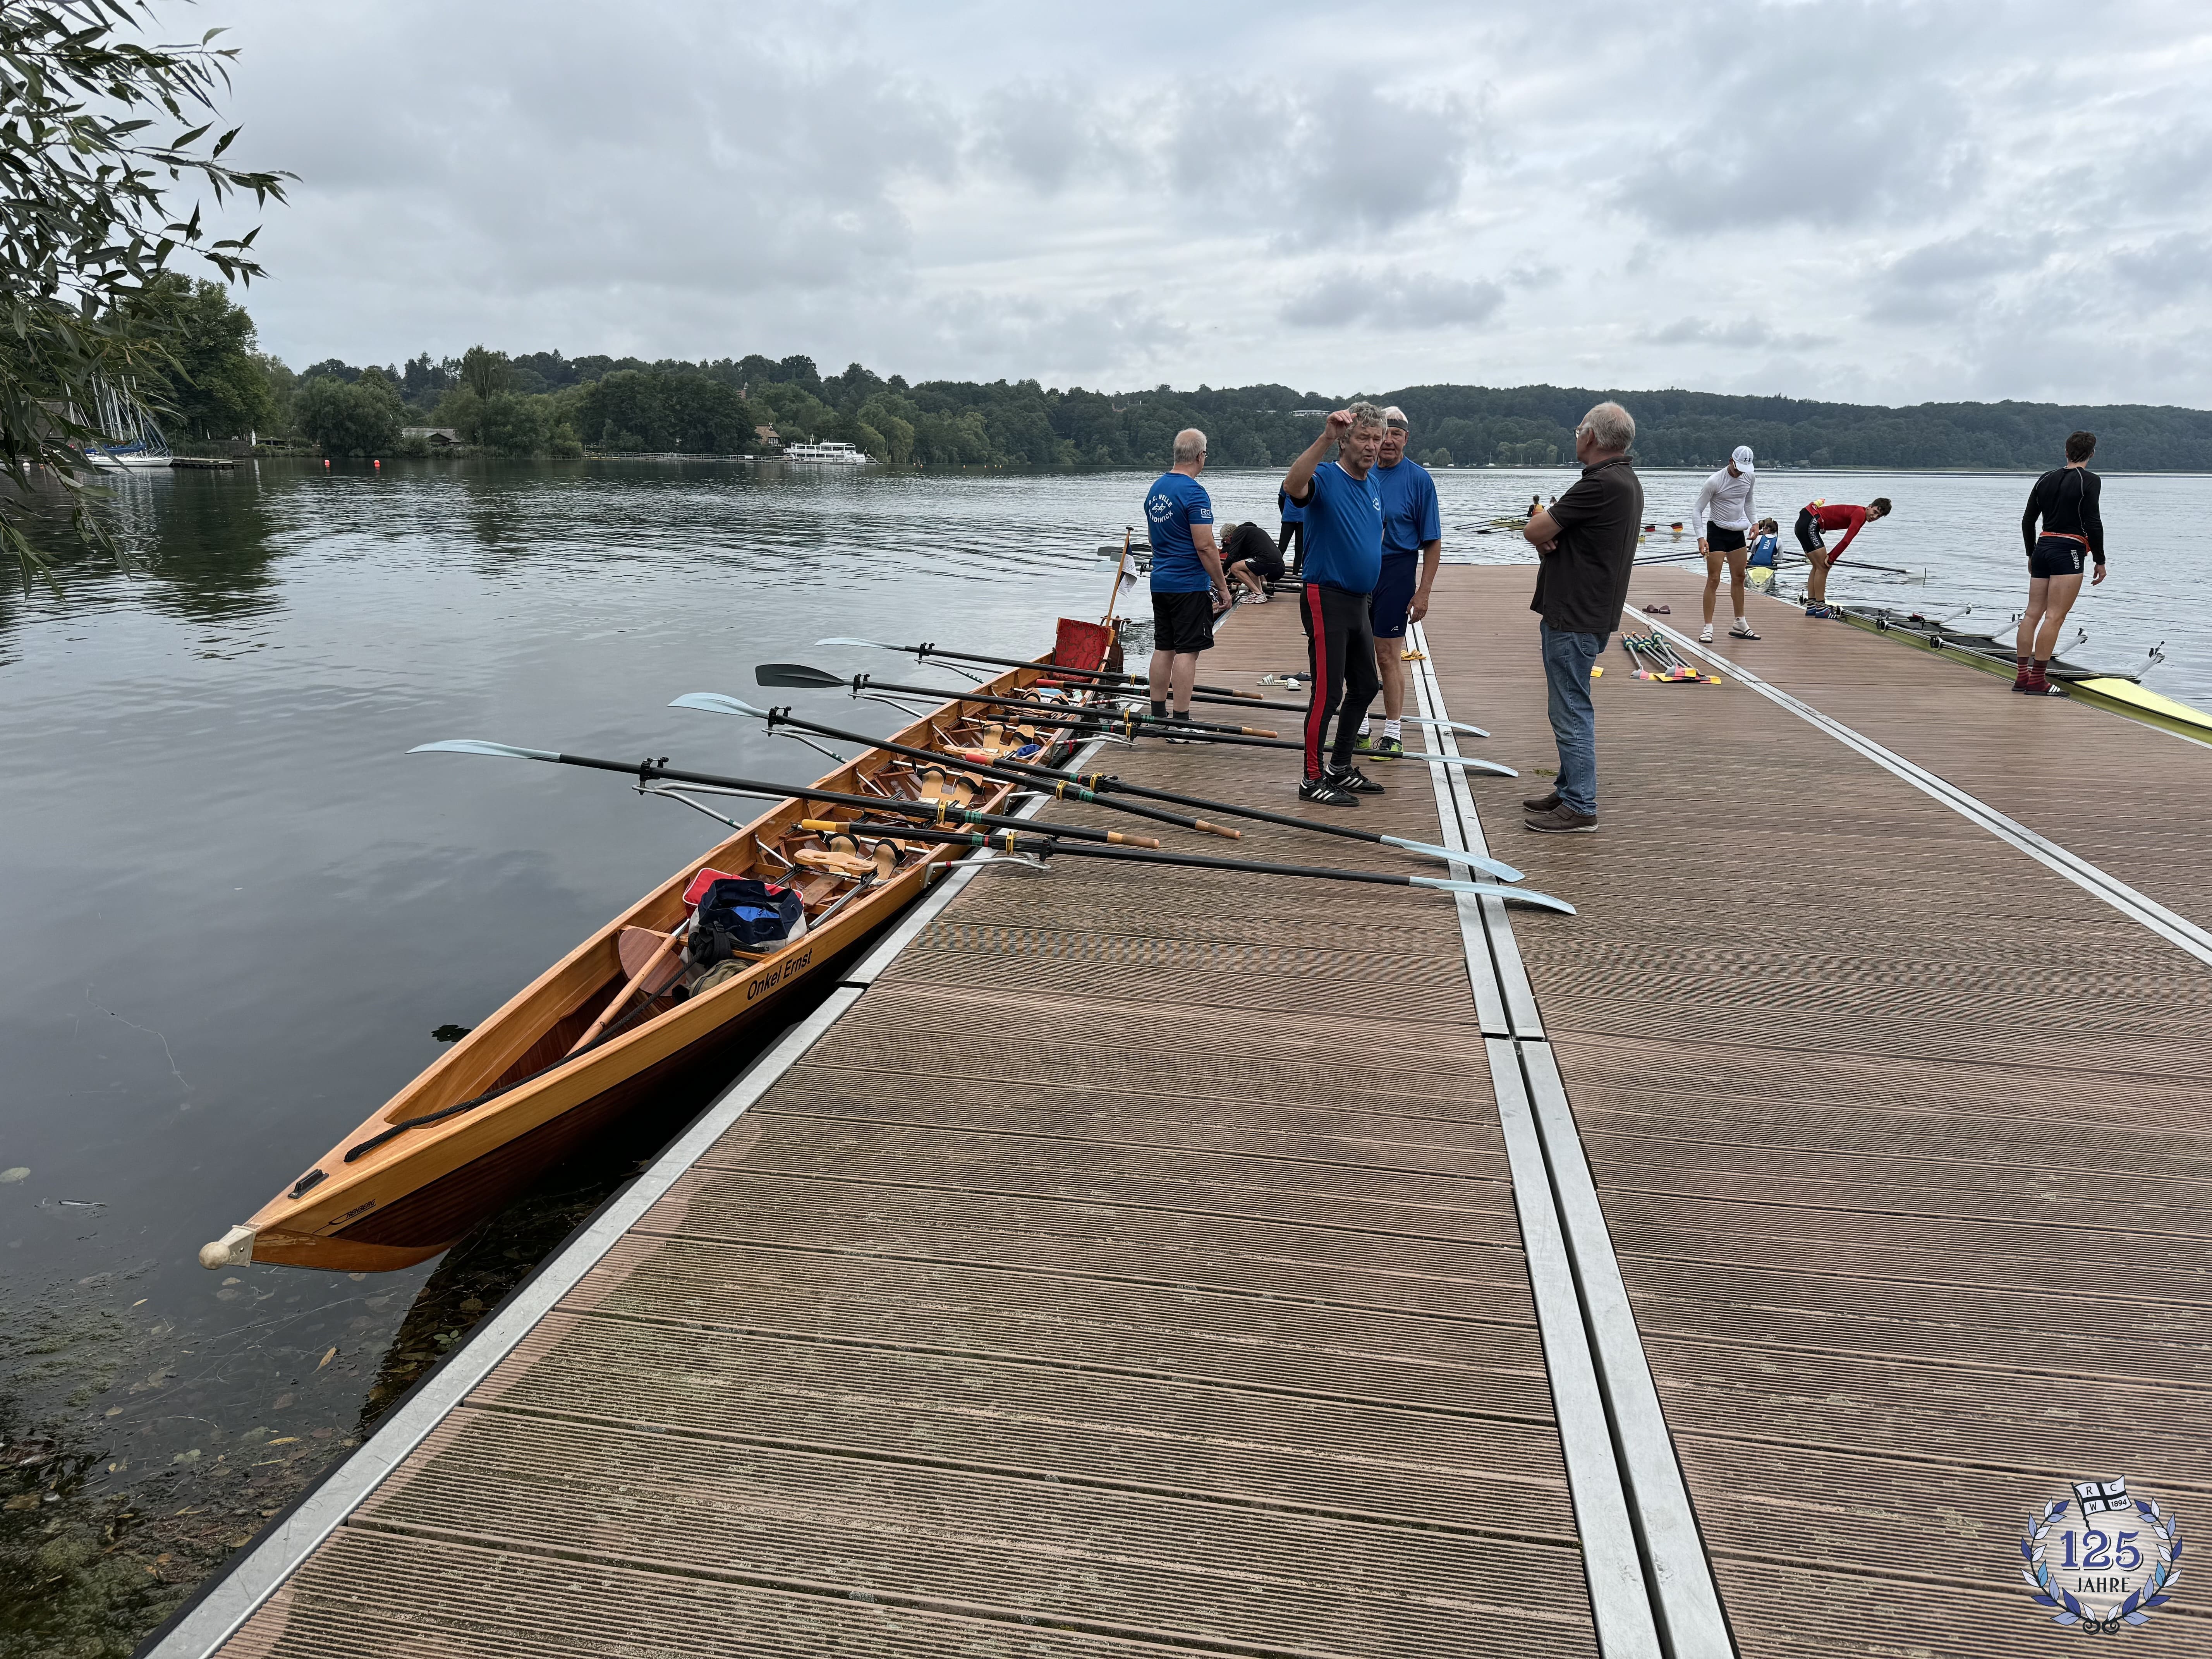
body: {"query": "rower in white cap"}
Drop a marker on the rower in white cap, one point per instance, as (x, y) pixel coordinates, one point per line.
(1723, 515)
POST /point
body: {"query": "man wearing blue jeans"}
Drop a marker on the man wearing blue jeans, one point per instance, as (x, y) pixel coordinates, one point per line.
(1585, 544)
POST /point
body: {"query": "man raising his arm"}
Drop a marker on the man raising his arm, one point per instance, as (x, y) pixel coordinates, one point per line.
(1586, 545)
(1344, 556)
(1188, 588)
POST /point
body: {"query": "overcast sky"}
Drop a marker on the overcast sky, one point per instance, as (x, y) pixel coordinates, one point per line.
(1875, 202)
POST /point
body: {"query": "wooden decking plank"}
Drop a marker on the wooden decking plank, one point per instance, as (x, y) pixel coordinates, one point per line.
(1900, 1135)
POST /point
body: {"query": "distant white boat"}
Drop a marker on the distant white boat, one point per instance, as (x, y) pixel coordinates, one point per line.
(139, 442)
(835, 454)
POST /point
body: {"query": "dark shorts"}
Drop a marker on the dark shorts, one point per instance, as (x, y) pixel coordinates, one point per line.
(1394, 594)
(1808, 531)
(2057, 555)
(1183, 622)
(1723, 541)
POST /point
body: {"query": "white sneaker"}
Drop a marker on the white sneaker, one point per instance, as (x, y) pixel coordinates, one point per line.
(1706, 637)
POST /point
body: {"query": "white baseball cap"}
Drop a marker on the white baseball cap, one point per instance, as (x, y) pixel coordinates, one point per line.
(1742, 459)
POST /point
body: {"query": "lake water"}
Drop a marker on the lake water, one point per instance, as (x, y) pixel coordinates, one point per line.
(235, 909)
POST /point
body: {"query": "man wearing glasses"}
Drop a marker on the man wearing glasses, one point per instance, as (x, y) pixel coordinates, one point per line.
(1585, 544)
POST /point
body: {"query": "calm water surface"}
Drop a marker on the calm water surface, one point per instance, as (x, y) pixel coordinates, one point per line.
(236, 909)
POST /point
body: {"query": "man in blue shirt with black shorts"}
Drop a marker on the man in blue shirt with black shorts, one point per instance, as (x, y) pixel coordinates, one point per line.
(1412, 548)
(1187, 586)
(1344, 555)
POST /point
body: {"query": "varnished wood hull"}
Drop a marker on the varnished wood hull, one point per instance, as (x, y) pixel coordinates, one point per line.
(404, 1198)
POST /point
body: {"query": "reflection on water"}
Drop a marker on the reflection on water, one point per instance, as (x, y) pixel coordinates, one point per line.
(239, 916)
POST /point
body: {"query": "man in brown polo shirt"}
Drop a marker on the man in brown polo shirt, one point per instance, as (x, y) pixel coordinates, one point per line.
(1585, 544)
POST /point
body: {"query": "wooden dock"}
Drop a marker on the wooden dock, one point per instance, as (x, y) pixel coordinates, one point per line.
(1200, 1265)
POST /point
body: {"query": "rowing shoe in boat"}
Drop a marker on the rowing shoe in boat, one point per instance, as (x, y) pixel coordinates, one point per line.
(617, 1018)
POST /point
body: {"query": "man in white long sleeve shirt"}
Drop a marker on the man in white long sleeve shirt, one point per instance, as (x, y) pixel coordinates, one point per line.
(1724, 517)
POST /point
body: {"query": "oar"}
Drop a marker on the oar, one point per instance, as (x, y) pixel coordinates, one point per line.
(1044, 845)
(1192, 733)
(1131, 686)
(1103, 675)
(799, 676)
(645, 771)
(1100, 788)
(607, 1014)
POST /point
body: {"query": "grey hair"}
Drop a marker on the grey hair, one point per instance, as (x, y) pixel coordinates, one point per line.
(1364, 415)
(1189, 445)
(1610, 427)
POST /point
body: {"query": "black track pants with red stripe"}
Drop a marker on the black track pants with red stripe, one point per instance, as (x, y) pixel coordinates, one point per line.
(1340, 651)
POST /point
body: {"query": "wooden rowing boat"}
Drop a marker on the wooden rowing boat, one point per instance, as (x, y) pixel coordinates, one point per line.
(510, 1099)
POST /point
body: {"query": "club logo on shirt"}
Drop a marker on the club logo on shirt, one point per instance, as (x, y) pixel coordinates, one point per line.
(1159, 509)
(2101, 1558)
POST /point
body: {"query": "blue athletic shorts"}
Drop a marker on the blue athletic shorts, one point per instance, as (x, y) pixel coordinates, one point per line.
(1393, 593)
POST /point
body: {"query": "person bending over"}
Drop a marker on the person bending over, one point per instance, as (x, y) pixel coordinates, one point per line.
(1413, 547)
(1723, 517)
(1251, 559)
(1814, 520)
(2066, 500)
(1586, 549)
(1188, 588)
(1344, 556)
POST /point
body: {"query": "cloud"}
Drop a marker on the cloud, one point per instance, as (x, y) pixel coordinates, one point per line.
(1871, 198)
(1387, 302)
(1745, 333)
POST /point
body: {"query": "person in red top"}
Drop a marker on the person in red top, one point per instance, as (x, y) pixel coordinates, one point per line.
(1815, 519)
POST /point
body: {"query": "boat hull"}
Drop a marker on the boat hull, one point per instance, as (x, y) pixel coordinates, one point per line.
(510, 1099)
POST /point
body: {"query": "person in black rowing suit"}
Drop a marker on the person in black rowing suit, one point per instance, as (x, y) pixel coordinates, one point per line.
(2065, 498)
(1249, 557)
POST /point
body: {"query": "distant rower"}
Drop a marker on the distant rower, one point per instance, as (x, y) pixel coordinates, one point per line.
(2065, 498)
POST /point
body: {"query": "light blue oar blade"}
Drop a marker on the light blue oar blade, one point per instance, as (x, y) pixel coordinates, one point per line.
(1491, 890)
(715, 703)
(1491, 767)
(872, 645)
(478, 746)
(1496, 867)
(1456, 725)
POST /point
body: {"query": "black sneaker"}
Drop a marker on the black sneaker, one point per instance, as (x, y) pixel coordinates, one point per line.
(1324, 791)
(1542, 803)
(1356, 781)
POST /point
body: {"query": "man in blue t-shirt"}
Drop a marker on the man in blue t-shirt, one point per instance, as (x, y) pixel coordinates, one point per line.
(1344, 555)
(1412, 548)
(1189, 589)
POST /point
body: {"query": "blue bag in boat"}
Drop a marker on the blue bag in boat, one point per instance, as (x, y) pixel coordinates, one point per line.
(740, 913)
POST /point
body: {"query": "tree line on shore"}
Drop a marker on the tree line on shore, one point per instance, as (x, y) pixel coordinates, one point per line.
(545, 403)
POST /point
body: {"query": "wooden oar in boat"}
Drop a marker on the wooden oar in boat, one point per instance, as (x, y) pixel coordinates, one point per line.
(621, 997)
(1044, 843)
(1103, 789)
